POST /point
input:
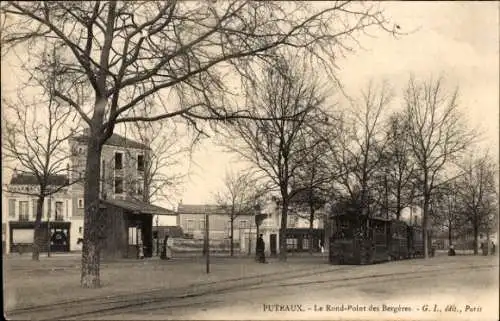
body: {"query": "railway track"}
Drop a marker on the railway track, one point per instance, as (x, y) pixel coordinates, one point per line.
(204, 294)
(81, 308)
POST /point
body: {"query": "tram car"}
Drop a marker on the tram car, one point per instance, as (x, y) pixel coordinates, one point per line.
(358, 240)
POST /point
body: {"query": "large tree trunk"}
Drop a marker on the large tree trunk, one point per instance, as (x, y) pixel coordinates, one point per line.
(38, 231)
(283, 225)
(476, 235)
(311, 221)
(232, 235)
(91, 231)
(450, 234)
(424, 226)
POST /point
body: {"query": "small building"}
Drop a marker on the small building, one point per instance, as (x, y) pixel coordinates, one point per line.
(191, 218)
(298, 236)
(20, 205)
(128, 226)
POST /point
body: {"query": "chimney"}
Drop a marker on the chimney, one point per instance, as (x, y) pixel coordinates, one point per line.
(14, 174)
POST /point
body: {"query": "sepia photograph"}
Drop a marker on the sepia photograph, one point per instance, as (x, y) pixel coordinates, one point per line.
(250, 160)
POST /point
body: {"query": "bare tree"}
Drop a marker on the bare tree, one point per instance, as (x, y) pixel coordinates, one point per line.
(162, 176)
(290, 98)
(126, 55)
(397, 168)
(35, 134)
(361, 146)
(478, 192)
(238, 197)
(447, 208)
(436, 135)
(313, 180)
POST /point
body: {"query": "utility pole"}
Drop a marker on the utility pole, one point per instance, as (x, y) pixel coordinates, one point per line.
(49, 234)
(207, 245)
(157, 235)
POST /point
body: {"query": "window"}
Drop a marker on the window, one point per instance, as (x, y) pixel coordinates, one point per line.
(305, 242)
(228, 228)
(291, 243)
(59, 211)
(189, 226)
(33, 214)
(80, 203)
(140, 162)
(118, 160)
(202, 225)
(12, 208)
(24, 211)
(118, 185)
(243, 224)
(132, 236)
(140, 187)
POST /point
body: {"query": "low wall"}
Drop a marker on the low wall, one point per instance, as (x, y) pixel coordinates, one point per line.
(196, 245)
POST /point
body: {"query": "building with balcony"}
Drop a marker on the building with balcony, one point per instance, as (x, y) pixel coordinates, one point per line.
(20, 204)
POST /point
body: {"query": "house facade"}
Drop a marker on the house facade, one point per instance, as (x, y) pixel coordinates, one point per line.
(122, 175)
(298, 236)
(191, 218)
(19, 217)
(123, 191)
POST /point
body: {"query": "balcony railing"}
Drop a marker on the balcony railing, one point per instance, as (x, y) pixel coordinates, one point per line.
(24, 218)
(59, 218)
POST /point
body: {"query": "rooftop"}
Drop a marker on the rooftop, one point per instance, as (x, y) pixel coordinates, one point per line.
(138, 207)
(31, 179)
(116, 140)
(201, 209)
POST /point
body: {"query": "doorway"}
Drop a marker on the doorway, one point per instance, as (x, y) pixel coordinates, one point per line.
(273, 244)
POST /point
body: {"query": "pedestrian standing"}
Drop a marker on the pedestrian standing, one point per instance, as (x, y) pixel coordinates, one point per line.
(260, 249)
(492, 248)
(163, 254)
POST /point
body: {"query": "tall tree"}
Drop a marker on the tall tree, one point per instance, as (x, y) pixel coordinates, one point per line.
(447, 208)
(361, 146)
(313, 180)
(238, 197)
(479, 193)
(436, 134)
(34, 137)
(397, 168)
(125, 55)
(290, 98)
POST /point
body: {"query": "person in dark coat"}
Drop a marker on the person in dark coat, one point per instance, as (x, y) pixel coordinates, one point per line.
(451, 251)
(492, 248)
(260, 248)
(163, 254)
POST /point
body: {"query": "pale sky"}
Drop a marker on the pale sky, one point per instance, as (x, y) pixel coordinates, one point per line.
(458, 40)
